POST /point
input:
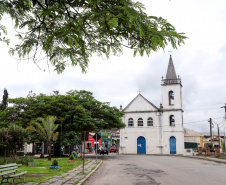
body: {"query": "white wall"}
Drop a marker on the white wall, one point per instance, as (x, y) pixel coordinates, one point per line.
(144, 116)
(140, 104)
(177, 96)
(128, 140)
(179, 142)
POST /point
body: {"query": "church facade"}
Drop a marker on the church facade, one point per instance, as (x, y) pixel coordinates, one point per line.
(151, 129)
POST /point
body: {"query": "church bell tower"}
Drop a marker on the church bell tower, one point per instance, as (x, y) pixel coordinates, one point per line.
(172, 113)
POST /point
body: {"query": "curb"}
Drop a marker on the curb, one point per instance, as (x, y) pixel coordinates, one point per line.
(222, 161)
(87, 176)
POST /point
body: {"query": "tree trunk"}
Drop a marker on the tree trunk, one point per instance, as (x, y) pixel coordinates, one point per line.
(49, 150)
(57, 150)
(11, 153)
(14, 153)
(5, 153)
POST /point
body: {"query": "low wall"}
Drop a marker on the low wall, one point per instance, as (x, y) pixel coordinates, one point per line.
(188, 151)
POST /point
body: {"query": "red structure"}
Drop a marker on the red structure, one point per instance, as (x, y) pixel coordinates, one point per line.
(91, 144)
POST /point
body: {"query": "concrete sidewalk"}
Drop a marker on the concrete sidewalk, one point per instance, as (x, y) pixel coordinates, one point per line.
(72, 177)
(217, 160)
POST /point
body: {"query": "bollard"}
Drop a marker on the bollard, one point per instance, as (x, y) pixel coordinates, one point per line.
(200, 150)
(208, 151)
(217, 152)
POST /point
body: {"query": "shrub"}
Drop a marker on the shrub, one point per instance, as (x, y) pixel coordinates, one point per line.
(223, 145)
(55, 163)
(23, 161)
(29, 154)
(71, 157)
(195, 149)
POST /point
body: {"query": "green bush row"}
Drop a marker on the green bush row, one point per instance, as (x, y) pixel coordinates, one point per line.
(23, 161)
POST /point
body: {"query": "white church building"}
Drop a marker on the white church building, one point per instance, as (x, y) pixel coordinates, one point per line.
(151, 129)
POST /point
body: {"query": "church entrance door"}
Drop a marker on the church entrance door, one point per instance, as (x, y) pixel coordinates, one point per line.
(172, 145)
(141, 145)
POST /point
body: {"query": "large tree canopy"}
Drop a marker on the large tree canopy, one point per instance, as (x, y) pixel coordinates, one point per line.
(79, 110)
(73, 30)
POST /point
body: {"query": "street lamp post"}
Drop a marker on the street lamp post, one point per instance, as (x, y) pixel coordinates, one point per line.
(61, 136)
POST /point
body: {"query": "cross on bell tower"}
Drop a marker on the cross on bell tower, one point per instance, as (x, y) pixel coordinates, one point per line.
(170, 51)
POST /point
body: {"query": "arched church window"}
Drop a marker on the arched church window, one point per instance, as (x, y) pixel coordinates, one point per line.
(172, 120)
(140, 122)
(150, 122)
(171, 98)
(130, 122)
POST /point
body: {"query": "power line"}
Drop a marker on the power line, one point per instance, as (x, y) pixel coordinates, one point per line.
(202, 120)
(203, 109)
(196, 121)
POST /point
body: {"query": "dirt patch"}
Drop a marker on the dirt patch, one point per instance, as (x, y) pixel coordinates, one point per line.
(142, 176)
(35, 174)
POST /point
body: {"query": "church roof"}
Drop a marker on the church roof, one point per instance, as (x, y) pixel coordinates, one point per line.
(136, 98)
(171, 73)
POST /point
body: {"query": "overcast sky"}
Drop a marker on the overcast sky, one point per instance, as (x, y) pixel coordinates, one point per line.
(201, 63)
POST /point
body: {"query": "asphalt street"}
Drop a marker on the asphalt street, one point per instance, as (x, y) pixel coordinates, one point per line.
(156, 170)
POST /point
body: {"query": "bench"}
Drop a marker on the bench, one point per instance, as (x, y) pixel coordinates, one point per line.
(8, 171)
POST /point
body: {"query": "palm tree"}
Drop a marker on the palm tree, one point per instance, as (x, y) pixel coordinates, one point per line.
(46, 129)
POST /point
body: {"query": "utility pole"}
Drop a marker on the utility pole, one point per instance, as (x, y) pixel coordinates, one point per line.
(224, 122)
(218, 134)
(210, 130)
(84, 151)
(225, 111)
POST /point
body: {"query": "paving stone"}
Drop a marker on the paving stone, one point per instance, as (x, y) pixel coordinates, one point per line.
(69, 183)
(58, 183)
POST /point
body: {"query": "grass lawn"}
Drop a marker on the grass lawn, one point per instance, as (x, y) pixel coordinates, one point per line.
(42, 171)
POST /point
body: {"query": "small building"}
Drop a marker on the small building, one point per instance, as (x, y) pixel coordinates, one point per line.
(91, 145)
(115, 137)
(192, 139)
(106, 138)
(215, 139)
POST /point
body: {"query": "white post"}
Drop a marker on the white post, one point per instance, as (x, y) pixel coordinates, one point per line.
(96, 148)
(225, 132)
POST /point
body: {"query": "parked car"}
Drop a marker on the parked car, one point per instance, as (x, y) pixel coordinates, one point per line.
(103, 151)
(113, 149)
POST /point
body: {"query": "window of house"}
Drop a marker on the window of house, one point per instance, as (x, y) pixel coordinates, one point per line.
(130, 122)
(140, 122)
(172, 120)
(150, 122)
(171, 98)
